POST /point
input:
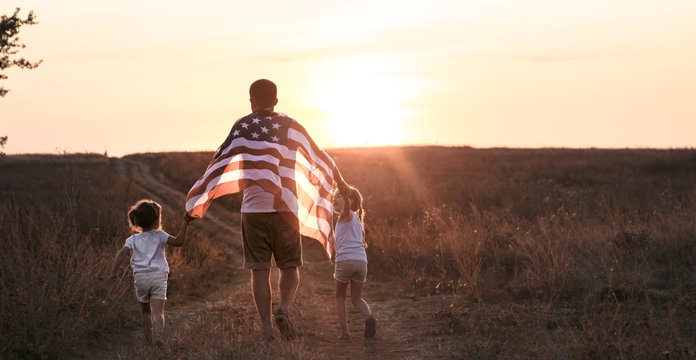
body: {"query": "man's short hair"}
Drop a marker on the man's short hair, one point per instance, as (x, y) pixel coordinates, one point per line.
(263, 92)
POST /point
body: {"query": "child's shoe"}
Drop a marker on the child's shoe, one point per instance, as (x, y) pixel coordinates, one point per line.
(370, 327)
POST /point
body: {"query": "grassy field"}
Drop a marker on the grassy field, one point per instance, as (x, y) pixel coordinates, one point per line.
(62, 218)
(538, 253)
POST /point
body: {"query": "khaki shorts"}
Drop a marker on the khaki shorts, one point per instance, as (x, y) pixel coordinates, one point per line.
(266, 234)
(350, 270)
(150, 285)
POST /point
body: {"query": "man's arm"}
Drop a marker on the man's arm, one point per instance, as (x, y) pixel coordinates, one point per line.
(120, 257)
(341, 184)
(180, 238)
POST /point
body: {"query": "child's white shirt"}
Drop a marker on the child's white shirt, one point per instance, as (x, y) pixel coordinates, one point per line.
(349, 240)
(148, 251)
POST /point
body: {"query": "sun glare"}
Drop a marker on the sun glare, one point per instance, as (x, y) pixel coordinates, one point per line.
(364, 98)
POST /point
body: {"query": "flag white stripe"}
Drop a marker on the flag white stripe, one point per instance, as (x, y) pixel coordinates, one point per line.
(311, 190)
(326, 184)
(258, 174)
(299, 137)
(283, 150)
(304, 215)
(258, 145)
(230, 176)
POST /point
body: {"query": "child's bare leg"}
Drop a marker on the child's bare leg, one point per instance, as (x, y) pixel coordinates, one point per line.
(158, 319)
(360, 303)
(357, 300)
(341, 308)
(147, 322)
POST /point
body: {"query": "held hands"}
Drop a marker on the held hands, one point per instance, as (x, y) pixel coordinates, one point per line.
(347, 191)
(344, 188)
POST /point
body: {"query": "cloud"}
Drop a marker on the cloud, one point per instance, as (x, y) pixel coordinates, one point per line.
(549, 58)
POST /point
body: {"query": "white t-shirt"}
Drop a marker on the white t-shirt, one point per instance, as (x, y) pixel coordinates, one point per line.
(257, 200)
(148, 251)
(349, 240)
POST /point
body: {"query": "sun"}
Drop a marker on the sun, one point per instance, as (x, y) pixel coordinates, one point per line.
(365, 102)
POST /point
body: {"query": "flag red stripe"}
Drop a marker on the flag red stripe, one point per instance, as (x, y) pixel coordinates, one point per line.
(320, 154)
(304, 199)
(252, 164)
(233, 165)
(326, 168)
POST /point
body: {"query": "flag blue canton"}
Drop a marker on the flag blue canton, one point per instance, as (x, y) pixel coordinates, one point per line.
(269, 127)
(261, 125)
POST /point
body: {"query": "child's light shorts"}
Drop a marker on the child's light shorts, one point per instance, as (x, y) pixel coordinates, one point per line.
(150, 285)
(350, 270)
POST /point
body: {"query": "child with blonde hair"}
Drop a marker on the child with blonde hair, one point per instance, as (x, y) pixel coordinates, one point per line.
(351, 260)
(149, 263)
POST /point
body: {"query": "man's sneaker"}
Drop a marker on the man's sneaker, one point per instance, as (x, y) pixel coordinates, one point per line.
(284, 325)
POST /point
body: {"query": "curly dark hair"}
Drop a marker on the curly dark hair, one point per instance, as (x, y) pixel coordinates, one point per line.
(145, 215)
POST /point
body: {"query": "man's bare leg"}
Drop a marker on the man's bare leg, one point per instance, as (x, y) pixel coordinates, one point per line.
(288, 283)
(261, 289)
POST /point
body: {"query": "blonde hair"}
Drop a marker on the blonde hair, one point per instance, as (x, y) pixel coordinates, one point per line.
(145, 215)
(355, 200)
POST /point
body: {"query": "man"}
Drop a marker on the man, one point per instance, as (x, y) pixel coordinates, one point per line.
(272, 159)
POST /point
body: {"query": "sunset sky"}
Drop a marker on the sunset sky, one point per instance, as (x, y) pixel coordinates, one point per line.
(134, 76)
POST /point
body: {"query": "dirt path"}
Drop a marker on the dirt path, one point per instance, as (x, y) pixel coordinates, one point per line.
(407, 325)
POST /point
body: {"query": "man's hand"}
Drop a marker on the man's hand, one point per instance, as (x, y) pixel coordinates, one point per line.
(353, 193)
(344, 188)
(348, 192)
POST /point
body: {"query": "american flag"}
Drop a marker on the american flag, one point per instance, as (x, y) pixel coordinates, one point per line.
(275, 152)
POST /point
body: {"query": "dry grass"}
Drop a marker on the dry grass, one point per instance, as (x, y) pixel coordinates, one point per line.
(549, 253)
(543, 253)
(62, 219)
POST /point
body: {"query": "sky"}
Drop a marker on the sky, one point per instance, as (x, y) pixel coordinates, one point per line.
(136, 76)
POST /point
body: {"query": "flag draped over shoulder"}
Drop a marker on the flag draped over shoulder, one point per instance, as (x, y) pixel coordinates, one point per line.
(273, 151)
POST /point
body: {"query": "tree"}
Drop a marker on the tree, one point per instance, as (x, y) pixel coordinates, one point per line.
(3, 141)
(9, 44)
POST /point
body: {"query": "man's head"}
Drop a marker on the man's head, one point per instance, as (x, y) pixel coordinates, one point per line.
(263, 94)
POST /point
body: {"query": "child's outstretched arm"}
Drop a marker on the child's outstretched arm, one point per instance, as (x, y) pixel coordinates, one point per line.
(180, 238)
(345, 214)
(120, 257)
